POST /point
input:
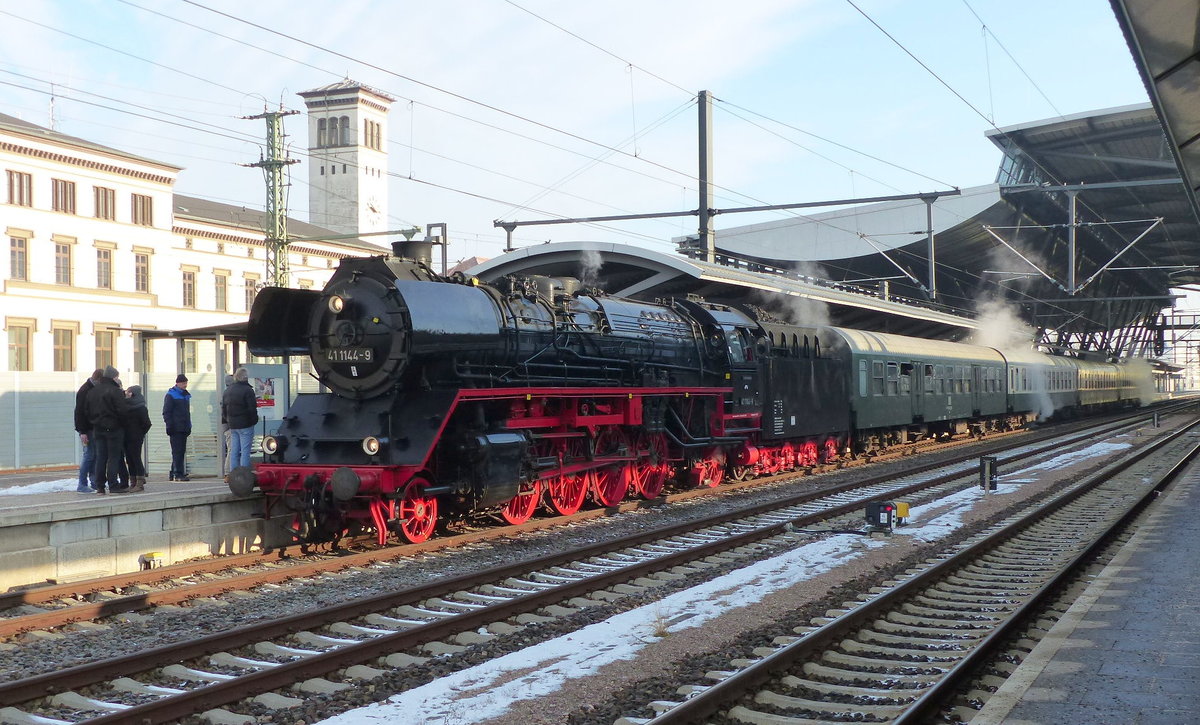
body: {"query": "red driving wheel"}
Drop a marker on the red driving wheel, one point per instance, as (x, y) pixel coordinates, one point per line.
(567, 492)
(417, 513)
(520, 508)
(651, 471)
(612, 481)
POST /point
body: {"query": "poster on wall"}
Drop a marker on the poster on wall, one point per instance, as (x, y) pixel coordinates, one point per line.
(270, 383)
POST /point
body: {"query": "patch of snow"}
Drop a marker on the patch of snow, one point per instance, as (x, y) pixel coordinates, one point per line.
(58, 486)
(485, 691)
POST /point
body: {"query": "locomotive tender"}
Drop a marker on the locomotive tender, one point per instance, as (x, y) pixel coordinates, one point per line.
(449, 397)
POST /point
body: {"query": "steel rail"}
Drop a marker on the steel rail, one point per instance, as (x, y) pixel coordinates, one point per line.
(705, 704)
(103, 671)
(10, 626)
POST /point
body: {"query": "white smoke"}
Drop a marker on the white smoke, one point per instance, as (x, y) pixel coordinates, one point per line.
(590, 263)
(1001, 327)
(805, 310)
(1142, 375)
(792, 309)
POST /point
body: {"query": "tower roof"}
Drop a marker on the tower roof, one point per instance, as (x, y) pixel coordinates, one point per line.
(345, 86)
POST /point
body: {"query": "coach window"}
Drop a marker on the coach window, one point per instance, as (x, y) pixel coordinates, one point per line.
(893, 378)
(877, 377)
(862, 378)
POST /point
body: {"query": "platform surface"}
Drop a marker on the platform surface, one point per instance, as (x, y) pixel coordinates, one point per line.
(46, 495)
(1128, 652)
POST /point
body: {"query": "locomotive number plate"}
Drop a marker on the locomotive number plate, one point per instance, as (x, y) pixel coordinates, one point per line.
(349, 354)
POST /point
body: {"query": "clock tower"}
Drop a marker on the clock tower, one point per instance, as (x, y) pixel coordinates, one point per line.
(348, 161)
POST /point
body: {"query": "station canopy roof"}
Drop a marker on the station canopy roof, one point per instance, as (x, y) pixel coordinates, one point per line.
(1136, 234)
(1136, 237)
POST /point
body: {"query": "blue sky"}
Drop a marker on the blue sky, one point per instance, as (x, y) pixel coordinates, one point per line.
(790, 78)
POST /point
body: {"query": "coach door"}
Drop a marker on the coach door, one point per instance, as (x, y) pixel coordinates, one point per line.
(976, 389)
(920, 385)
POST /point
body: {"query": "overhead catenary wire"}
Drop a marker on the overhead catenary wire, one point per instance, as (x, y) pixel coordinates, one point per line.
(1049, 174)
(630, 64)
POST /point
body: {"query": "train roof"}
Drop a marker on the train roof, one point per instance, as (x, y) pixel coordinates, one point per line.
(863, 341)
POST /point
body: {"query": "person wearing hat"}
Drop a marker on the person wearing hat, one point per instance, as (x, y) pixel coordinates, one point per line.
(106, 412)
(177, 414)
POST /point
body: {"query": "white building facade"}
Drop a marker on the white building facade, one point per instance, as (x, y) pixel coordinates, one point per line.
(98, 247)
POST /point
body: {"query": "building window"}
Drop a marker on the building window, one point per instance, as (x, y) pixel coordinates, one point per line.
(62, 263)
(375, 137)
(222, 292)
(189, 356)
(103, 271)
(141, 272)
(189, 289)
(320, 135)
(18, 258)
(63, 196)
(251, 291)
(106, 348)
(106, 202)
(64, 349)
(344, 137)
(18, 347)
(143, 210)
(20, 188)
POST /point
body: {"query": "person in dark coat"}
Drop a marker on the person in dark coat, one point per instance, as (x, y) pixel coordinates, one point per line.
(177, 414)
(239, 409)
(106, 413)
(87, 466)
(224, 427)
(137, 424)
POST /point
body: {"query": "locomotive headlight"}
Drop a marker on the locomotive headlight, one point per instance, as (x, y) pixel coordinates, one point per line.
(270, 445)
(371, 445)
(336, 304)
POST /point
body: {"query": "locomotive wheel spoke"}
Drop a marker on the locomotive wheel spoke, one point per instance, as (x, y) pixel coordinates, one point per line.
(567, 493)
(829, 451)
(612, 481)
(417, 512)
(650, 473)
(520, 508)
(713, 468)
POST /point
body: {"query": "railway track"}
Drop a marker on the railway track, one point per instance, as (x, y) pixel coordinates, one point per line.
(902, 654)
(353, 641)
(60, 605)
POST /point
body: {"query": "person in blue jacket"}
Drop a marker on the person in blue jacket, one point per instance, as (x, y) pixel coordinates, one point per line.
(177, 414)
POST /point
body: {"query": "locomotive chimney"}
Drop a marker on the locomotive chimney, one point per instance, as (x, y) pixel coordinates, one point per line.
(417, 250)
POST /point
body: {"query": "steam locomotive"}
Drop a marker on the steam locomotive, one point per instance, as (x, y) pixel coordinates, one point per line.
(449, 398)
